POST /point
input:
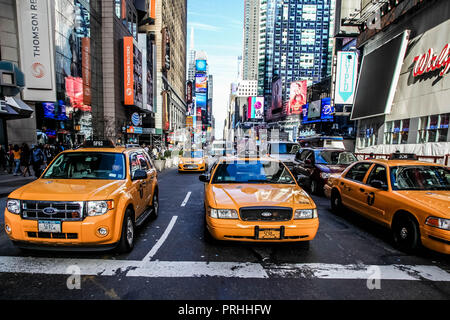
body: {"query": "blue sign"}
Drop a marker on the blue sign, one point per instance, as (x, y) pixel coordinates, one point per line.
(135, 119)
(200, 65)
(201, 100)
(327, 110)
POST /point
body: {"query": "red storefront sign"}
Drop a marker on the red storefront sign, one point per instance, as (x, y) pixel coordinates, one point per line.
(429, 62)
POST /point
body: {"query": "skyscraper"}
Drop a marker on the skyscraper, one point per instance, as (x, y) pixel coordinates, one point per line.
(250, 41)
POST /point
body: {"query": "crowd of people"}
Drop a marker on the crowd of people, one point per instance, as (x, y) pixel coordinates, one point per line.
(17, 160)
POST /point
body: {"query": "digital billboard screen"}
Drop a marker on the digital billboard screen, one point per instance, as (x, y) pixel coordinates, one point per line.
(314, 109)
(255, 109)
(201, 83)
(327, 111)
(200, 65)
(201, 101)
(297, 97)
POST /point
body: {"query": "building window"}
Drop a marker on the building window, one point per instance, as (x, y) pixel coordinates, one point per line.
(433, 128)
(368, 136)
(396, 132)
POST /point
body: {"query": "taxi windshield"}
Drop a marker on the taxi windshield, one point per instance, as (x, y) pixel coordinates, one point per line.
(193, 154)
(252, 172)
(420, 178)
(329, 157)
(87, 165)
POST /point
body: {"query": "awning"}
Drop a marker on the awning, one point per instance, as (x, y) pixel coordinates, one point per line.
(7, 112)
(21, 107)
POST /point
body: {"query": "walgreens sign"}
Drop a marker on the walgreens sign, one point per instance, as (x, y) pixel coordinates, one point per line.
(431, 61)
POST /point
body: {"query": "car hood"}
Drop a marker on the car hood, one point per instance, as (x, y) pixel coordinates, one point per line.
(67, 190)
(192, 160)
(250, 195)
(437, 200)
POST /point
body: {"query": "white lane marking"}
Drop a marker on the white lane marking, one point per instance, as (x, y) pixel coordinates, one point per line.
(185, 201)
(193, 269)
(161, 240)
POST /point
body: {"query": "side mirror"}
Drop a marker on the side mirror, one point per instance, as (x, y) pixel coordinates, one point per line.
(204, 178)
(303, 181)
(139, 175)
(377, 184)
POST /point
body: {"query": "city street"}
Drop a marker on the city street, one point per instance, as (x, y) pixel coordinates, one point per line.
(350, 258)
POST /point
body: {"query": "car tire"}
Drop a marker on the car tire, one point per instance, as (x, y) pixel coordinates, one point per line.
(406, 234)
(155, 206)
(314, 187)
(126, 243)
(336, 202)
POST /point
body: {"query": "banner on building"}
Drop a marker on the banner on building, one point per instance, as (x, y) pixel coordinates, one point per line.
(346, 77)
(86, 69)
(255, 108)
(128, 68)
(297, 97)
(35, 29)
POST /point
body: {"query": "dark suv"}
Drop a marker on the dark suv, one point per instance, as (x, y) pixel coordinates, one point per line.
(313, 166)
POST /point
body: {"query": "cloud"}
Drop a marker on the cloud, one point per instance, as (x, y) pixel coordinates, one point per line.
(203, 26)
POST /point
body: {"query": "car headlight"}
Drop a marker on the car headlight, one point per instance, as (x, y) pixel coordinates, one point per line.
(440, 223)
(305, 214)
(224, 214)
(13, 206)
(98, 208)
(325, 175)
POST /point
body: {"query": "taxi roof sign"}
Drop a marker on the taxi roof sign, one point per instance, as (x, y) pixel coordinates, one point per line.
(99, 144)
(402, 156)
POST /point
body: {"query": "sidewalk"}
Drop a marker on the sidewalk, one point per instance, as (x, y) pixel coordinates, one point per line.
(9, 183)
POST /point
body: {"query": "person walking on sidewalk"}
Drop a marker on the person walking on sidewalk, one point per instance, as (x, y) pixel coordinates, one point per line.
(16, 154)
(10, 158)
(37, 160)
(25, 157)
(3, 159)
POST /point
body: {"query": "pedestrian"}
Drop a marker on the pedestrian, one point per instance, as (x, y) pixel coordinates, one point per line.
(3, 158)
(10, 158)
(25, 159)
(16, 154)
(37, 160)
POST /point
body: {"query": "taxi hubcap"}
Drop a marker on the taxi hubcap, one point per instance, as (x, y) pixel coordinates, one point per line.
(130, 232)
(403, 233)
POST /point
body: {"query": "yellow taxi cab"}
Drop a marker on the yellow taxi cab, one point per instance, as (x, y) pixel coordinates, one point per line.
(257, 200)
(91, 198)
(192, 160)
(410, 197)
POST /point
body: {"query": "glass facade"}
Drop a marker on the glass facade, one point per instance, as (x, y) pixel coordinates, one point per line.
(78, 74)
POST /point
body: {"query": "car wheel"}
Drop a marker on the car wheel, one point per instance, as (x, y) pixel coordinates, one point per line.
(126, 243)
(406, 234)
(155, 206)
(336, 202)
(314, 187)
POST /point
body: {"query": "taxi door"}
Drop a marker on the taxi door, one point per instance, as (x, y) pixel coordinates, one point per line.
(376, 191)
(151, 178)
(352, 185)
(138, 188)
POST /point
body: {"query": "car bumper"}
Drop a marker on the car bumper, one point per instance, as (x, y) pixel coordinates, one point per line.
(237, 230)
(436, 239)
(191, 167)
(73, 233)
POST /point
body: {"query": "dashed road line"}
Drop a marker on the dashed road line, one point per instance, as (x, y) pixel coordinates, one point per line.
(185, 201)
(161, 240)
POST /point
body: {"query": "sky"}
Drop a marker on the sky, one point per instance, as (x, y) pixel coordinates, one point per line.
(218, 30)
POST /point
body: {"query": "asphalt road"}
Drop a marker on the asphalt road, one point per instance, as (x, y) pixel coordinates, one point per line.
(350, 258)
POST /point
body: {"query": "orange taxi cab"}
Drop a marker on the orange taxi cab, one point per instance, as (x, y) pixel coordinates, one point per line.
(192, 161)
(91, 198)
(410, 197)
(257, 200)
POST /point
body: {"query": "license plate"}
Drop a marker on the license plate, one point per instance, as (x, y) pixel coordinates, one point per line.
(49, 226)
(269, 234)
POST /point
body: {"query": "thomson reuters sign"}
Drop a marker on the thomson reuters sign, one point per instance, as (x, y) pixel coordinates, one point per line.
(36, 47)
(128, 69)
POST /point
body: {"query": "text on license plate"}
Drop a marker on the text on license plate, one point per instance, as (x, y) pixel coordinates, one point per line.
(49, 226)
(269, 234)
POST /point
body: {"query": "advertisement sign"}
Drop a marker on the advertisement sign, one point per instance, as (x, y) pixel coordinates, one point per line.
(276, 106)
(346, 77)
(165, 49)
(255, 109)
(36, 55)
(189, 122)
(201, 83)
(327, 110)
(200, 65)
(128, 71)
(297, 97)
(86, 69)
(201, 100)
(314, 109)
(189, 91)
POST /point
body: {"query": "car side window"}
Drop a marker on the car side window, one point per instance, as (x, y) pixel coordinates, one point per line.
(358, 172)
(378, 173)
(310, 156)
(303, 155)
(143, 162)
(134, 163)
(149, 160)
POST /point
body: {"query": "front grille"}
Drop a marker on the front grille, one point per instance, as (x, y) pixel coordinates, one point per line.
(266, 214)
(48, 235)
(67, 211)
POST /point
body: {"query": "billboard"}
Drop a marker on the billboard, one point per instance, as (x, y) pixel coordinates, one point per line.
(297, 97)
(255, 108)
(200, 65)
(128, 74)
(201, 83)
(275, 108)
(346, 77)
(327, 111)
(314, 109)
(201, 101)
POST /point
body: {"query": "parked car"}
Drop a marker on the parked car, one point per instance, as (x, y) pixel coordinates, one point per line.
(284, 151)
(313, 167)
